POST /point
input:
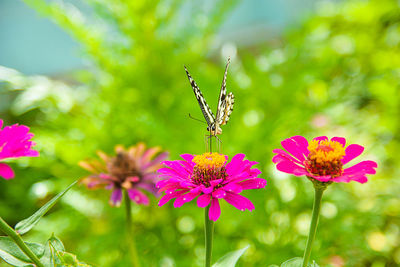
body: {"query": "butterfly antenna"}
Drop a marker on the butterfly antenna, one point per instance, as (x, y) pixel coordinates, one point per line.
(193, 118)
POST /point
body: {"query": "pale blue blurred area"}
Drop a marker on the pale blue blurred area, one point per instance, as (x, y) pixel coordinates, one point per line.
(33, 44)
(255, 21)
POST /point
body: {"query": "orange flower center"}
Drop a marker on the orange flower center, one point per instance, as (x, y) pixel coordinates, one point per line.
(325, 158)
(209, 166)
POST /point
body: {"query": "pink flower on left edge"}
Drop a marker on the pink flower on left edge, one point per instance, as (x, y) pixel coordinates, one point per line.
(15, 142)
(323, 159)
(131, 171)
(210, 177)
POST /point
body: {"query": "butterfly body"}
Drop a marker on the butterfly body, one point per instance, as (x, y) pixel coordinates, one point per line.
(224, 108)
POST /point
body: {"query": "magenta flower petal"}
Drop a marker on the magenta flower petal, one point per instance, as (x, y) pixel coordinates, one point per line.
(188, 157)
(283, 155)
(215, 210)
(239, 202)
(116, 197)
(367, 166)
(236, 162)
(209, 177)
(236, 188)
(253, 184)
(203, 201)
(138, 197)
(321, 138)
(6, 172)
(352, 151)
(323, 160)
(15, 142)
(182, 199)
(219, 193)
(302, 143)
(170, 196)
(323, 178)
(290, 167)
(170, 172)
(294, 148)
(177, 167)
(340, 140)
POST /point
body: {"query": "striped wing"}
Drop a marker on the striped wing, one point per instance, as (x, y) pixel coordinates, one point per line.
(222, 104)
(230, 100)
(208, 115)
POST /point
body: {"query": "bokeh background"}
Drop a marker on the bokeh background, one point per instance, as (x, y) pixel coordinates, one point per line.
(89, 74)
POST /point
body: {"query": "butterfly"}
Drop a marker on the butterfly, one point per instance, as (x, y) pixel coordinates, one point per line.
(224, 108)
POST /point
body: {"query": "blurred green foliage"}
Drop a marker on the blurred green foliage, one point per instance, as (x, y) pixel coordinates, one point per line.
(337, 74)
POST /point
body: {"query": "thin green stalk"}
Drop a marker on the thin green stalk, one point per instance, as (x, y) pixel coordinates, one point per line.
(319, 190)
(209, 232)
(20, 243)
(131, 239)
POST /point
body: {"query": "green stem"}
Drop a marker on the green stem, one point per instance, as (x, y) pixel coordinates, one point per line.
(20, 243)
(131, 239)
(209, 232)
(319, 190)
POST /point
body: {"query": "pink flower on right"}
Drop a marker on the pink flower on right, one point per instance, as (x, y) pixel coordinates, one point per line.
(322, 159)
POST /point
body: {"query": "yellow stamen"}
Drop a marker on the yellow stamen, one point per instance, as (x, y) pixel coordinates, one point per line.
(323, 151)
(325, 158)
(209, 160)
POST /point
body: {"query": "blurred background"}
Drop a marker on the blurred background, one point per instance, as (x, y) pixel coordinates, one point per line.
(86, 75)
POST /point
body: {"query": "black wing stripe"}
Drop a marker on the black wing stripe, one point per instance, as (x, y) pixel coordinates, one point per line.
(222, 96)
(207, 113)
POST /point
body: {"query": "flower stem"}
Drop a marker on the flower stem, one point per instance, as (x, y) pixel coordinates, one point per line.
(209, 232)
(20, 243)
(319, 190)
(131, 239)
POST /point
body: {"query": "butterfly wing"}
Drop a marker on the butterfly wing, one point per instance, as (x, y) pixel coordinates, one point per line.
(222, 108)
(230, 100)
(207, 113)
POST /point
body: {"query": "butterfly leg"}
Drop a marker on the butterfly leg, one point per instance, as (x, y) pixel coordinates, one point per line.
(219, 142)
(206, 142)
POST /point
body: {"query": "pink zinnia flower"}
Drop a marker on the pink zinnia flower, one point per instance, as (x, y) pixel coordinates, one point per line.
(210, 177)
(133, 170)
(322, 159)
(15, 142)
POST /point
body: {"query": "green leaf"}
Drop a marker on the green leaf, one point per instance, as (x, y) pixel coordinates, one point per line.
(297, 262)
(26, 225)
(69, 259)
(52, 248)
(56, 243)
(12, 260)
(56, 256)
(13, 255)
(230, 259)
